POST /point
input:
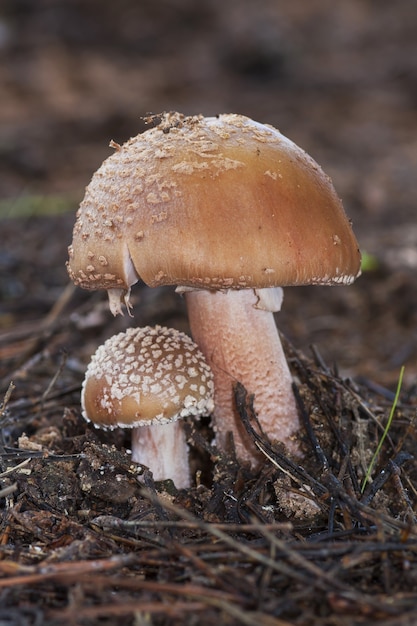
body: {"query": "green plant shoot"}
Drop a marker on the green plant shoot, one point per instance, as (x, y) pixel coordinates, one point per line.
(386, 430)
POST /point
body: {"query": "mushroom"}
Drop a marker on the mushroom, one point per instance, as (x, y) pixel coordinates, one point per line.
(229, 210)
(148, 379)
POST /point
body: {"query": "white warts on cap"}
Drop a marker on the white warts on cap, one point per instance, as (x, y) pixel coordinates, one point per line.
(146, 376)
(227, 202)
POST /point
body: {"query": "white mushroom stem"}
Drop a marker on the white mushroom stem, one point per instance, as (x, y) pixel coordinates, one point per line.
(241, 343)
(163, 449)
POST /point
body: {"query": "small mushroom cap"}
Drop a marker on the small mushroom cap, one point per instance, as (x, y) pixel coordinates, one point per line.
(216, 202)
(145, 376)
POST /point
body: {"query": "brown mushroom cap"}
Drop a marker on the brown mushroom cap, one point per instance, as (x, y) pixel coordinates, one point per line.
(146, 376)
(218, 202)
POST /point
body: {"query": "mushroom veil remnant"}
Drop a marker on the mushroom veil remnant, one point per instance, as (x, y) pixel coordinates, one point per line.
(148, 379)
(229, 210)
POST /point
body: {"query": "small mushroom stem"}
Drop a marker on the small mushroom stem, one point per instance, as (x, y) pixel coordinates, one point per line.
(163, 449)
(241, 343)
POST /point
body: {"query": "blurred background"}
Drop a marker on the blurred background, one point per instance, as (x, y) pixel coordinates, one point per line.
(338, 78)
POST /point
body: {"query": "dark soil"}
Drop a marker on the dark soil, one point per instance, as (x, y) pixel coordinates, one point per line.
(83, 541)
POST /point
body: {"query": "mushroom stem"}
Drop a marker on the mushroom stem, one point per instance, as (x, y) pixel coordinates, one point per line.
(241, 343)
(163, 449)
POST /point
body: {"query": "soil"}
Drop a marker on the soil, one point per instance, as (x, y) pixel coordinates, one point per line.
(85, 539)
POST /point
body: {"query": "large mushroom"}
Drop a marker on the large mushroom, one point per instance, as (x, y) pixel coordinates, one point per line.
(229, 210)
(149, 379)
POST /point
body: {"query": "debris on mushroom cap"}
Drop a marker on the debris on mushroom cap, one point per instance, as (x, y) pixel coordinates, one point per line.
(145, 376)
(211, 203)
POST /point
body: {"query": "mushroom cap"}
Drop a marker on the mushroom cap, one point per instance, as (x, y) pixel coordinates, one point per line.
(146, 376)
(217, 202)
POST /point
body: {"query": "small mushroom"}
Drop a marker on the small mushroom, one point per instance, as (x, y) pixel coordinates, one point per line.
(148, 379)
(229, 210)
